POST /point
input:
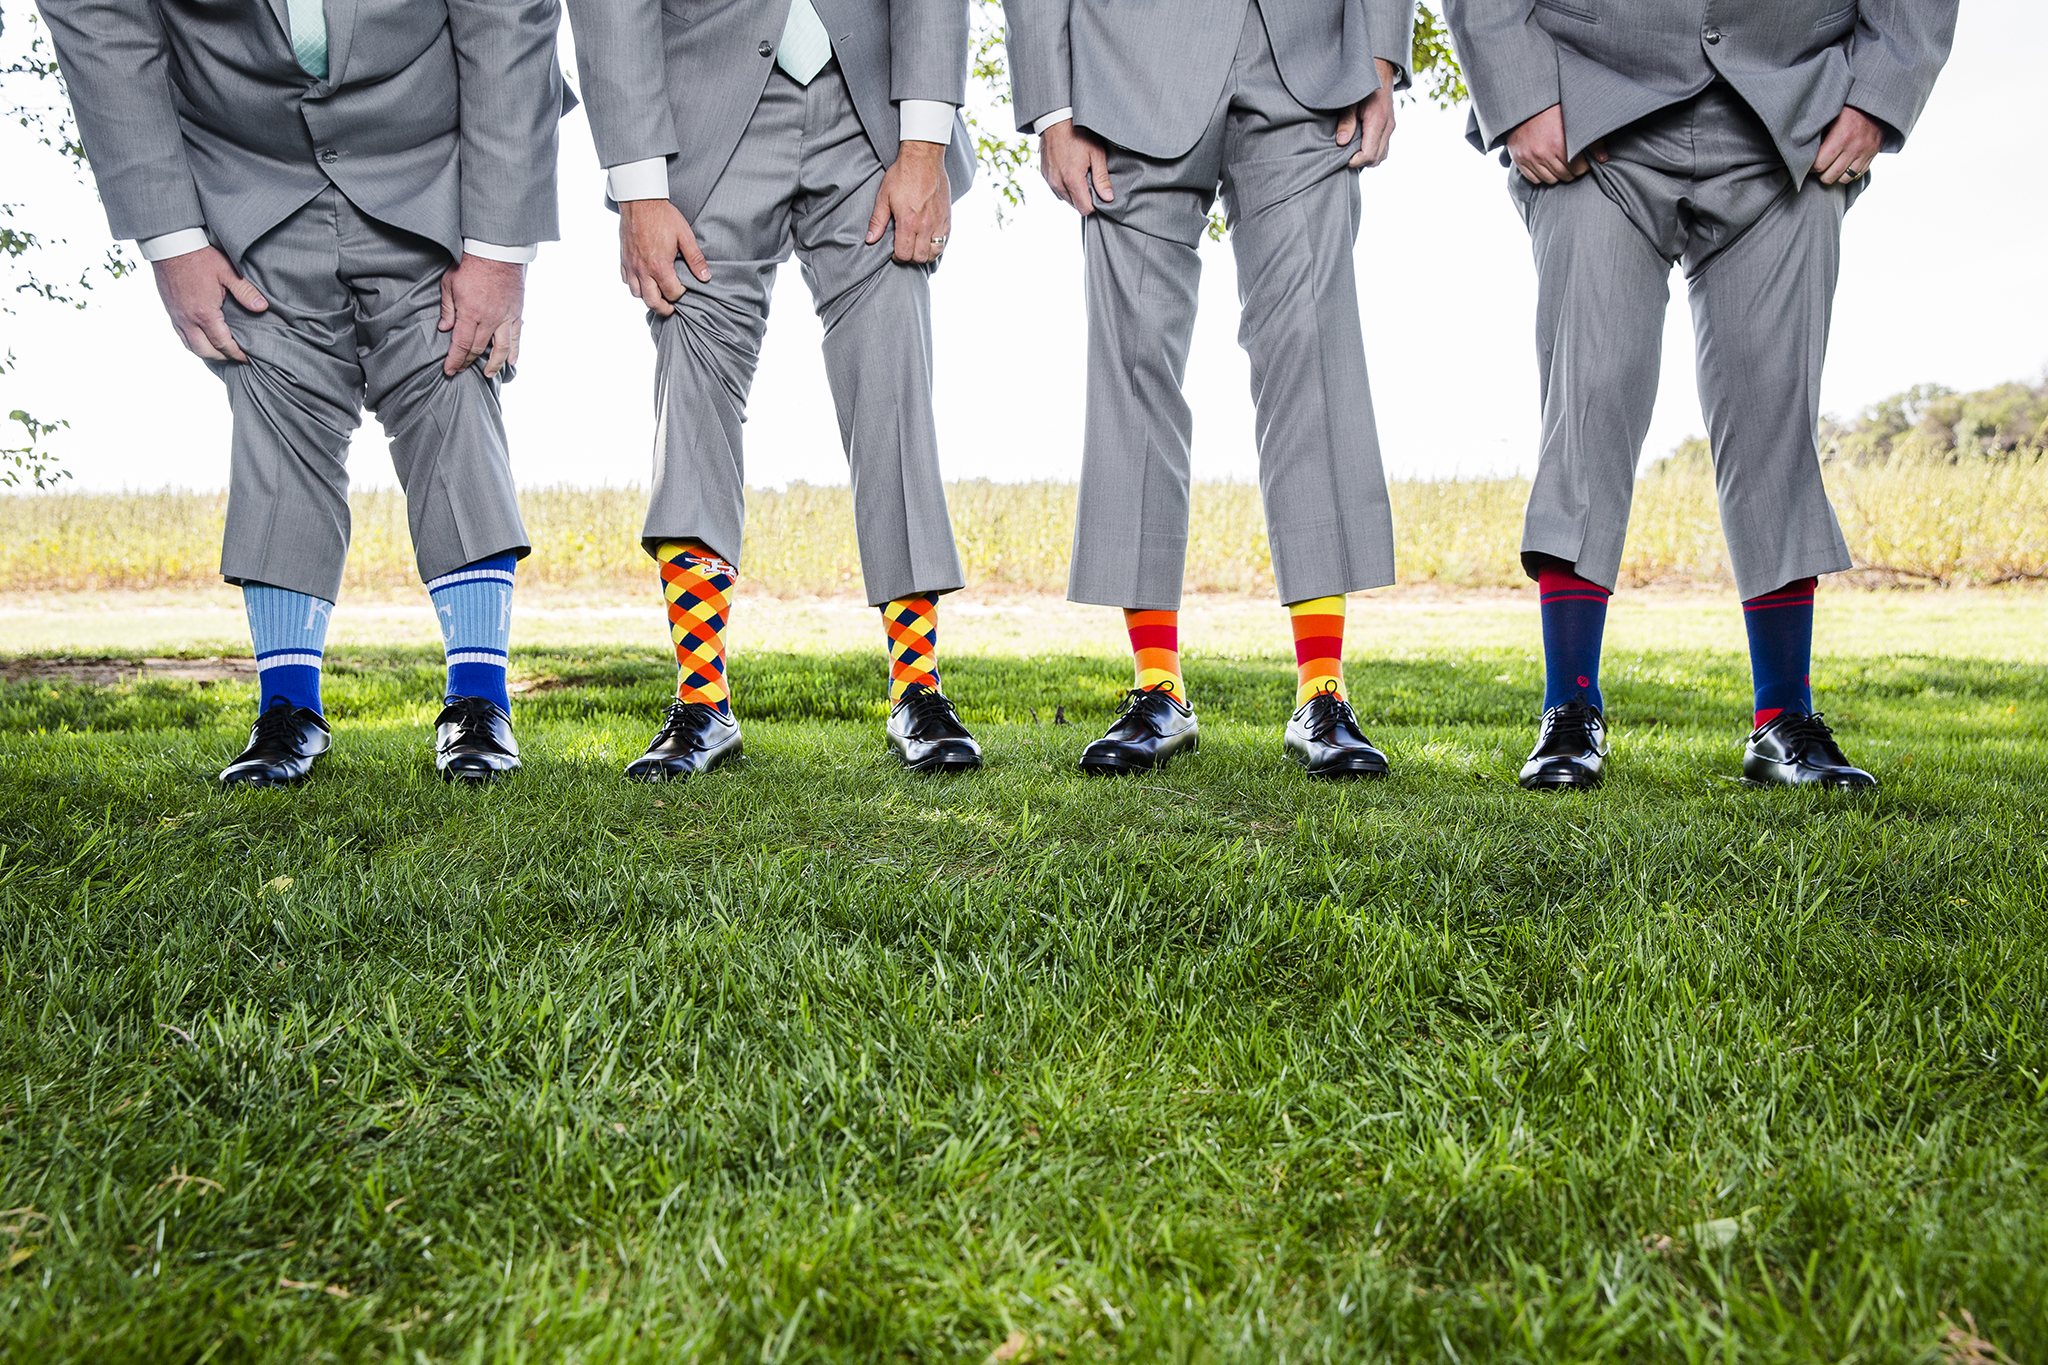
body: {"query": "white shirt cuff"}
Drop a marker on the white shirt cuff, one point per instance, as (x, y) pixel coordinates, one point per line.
(646, 179)
(183, 242)
(490, 251)
(925, 121)
(1056, 116)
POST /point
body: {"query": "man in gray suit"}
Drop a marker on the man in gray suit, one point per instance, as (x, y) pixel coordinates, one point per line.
(1730, 137)
(733, 133)
(323, 193)
(1144, 109)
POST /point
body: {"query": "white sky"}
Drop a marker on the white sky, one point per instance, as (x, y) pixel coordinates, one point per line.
(1944, 279)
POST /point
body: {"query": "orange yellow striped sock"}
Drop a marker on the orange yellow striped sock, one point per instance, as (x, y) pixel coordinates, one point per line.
(1318, 646)
(698, 586)
(1155, 645)
(913, 626)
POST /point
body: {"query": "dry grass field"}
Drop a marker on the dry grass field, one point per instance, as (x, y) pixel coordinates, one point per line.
(1974, 522)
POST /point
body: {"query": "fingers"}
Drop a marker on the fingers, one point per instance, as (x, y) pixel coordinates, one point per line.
(1834, 161)
(247, 294)
(504, 348)
(879, 219)
(1079, 180)
(1347, 127)
(196, 342)
(1376, 137)
(658, 287)
(1599, 150)
(1098, 171)
(1375, 130)
(1578, 167)
(214, 328)
(447, 301)
(465, 344)
(693, 257)
(1540, 169)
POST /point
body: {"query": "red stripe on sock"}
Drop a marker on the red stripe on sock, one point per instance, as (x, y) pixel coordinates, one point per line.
(1550, 581)
(1154, 637)
(1309, 647)
(1798, 593)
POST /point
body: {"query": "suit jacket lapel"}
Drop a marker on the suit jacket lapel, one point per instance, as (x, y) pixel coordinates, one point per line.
(341, 28)
(284, 19)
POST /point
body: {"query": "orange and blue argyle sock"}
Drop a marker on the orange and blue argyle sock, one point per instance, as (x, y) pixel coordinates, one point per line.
(1155, 649)
(913, 626)
(698, 586)
(1318, 647)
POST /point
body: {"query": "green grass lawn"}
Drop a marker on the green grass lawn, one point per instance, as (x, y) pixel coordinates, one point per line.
(810, 1060)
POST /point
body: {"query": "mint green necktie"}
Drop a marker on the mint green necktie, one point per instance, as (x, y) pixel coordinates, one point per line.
(309, 35)
(805, 46)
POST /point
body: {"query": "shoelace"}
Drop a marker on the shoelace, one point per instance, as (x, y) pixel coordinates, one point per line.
(1804, 731)
(1571, 725)
(275, 726)
(473, 721)
(1138, 702)
(1326, 712)
(682, 718)
(932, 709)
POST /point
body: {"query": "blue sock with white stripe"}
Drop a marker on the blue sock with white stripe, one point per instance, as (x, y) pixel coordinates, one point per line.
(289, 631)
(474, 605)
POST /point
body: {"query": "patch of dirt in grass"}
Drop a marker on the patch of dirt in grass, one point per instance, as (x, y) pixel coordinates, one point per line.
(106, 672)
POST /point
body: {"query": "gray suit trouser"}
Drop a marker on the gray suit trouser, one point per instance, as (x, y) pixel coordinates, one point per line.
(804, 178)
(1293, 207)
(1703, 185)
(354, 304)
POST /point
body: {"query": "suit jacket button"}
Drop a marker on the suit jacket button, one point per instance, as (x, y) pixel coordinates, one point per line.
(329, 157)
(1712, 35)
(766, 49)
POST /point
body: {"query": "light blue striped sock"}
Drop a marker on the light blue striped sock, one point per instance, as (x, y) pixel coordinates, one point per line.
(475, 608)
(289, 630)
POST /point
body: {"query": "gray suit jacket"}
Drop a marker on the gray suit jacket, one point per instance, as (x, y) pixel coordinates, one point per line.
(1611, 62)
(436, 116)
(681, 78)
(1146, 74)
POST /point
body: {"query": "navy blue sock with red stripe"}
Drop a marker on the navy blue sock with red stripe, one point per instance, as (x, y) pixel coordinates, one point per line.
(1574, 619)
(1780, 626)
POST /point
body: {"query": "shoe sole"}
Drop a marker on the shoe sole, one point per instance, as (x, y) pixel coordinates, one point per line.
(1100, 768)
(664, 775)
(1765, 784)
(474, 777)
(942, 765)
(1567, 784)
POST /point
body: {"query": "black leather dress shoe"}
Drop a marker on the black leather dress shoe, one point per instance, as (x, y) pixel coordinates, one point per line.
(1324, 735)
(282, 746)
(926, 733)
(1150, 727)
(473, 741)
(1571, 749)
(1800, 751)
(695, 737)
